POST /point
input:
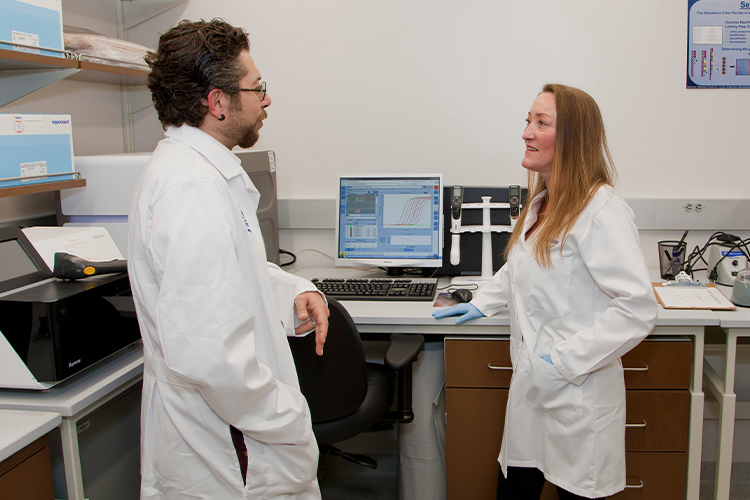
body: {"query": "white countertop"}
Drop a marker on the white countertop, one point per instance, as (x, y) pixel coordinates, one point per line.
(19, 429)
(75, 394)
(406, 317)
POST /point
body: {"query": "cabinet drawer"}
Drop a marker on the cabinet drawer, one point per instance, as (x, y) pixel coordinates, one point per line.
(654, 476)
(27, 474)
(650, 476)
(657, 420)
(473, 435)
(659, 364)
(477, 363)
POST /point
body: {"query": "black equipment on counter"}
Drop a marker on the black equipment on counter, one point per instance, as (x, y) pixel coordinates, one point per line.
(52, 329)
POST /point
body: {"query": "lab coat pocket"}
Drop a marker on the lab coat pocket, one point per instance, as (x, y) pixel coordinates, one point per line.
(291, 467)
(547, 390)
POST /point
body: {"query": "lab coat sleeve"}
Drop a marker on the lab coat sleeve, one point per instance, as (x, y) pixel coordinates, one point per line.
(206, 321)
(495, 295)
(285, 288)
(611, 252)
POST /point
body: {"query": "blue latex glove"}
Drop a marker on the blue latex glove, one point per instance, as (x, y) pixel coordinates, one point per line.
(465, 312)
(547, 358)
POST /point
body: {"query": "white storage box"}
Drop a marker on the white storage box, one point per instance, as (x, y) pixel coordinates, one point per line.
(34, 146)
(37, 23)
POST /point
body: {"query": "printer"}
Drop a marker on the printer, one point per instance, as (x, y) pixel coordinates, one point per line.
(51, 329)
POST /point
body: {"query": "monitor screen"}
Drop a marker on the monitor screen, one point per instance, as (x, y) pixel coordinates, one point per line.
(16, 262)
(20, 264)
(390, 220)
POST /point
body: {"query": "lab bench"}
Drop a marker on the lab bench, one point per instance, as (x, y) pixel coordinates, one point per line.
(24, 457)
(733, 325)
(76, 398)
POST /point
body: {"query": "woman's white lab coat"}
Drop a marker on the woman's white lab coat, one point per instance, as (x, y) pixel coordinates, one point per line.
(214, 318)
(568, 418)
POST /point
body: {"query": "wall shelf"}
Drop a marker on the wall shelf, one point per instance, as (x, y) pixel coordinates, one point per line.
(22, 73)
(43, 187)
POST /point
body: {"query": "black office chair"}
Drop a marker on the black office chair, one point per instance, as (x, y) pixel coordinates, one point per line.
(347, 395)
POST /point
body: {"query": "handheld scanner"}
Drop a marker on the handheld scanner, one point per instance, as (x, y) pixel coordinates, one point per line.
(514, 198)
(70, 267)
(457, 199)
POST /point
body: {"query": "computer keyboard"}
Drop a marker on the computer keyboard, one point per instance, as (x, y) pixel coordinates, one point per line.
(406, 289)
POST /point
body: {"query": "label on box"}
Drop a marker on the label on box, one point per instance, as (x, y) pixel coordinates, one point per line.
(25, 39)
(272, 161)
(33, 169)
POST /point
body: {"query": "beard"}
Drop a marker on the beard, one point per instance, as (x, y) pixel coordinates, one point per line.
(245, 135)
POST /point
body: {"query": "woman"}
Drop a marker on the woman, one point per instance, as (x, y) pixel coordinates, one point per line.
(579, 296)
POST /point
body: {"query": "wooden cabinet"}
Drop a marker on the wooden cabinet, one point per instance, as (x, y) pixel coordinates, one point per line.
(26, 474)
(657, 379)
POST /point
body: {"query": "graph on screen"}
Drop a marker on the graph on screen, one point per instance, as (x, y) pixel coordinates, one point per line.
(407, 210)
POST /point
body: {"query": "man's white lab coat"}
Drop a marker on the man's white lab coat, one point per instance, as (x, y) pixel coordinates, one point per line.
(214, 317)
(568, 418)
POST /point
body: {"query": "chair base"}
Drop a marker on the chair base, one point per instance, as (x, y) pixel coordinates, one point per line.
(350, 457)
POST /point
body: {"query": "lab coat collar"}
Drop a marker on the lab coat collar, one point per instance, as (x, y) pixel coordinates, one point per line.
(216, 153)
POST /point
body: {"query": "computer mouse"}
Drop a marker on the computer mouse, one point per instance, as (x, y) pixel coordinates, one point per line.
(461, 295)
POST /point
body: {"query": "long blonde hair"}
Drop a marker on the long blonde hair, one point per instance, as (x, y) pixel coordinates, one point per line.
(582, 163)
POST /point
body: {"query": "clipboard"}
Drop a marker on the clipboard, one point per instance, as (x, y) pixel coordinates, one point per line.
(692, 297)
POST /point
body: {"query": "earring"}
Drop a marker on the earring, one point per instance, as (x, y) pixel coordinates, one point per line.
(222, 117)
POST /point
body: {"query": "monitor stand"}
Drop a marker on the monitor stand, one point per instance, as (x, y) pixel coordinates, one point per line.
(395, 271)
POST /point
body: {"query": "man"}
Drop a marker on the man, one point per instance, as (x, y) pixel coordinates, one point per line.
(222, 414)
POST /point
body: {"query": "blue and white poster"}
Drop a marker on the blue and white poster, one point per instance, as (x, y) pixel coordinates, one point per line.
(718, 44)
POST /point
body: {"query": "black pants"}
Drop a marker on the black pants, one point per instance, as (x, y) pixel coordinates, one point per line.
(526, 483)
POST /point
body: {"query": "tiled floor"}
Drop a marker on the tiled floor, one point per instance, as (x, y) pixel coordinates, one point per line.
(342, 480)
(740, 484)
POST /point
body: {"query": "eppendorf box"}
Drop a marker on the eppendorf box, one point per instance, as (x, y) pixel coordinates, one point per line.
(34, 146)
(35, 23)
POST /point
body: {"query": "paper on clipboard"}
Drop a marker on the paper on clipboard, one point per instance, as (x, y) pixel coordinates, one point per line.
(692, 297)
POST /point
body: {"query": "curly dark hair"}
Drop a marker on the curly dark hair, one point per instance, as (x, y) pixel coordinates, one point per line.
(193, 58)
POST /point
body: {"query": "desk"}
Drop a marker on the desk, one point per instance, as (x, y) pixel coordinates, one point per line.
(385, 317)
(734, 324)
(75, 398)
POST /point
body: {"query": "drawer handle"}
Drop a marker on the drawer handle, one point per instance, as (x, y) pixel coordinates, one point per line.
(642, 369)
(636, 425)
(489, 365)
(635, 486)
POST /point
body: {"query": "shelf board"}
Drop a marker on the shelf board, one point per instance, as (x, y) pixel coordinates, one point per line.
(43, 187)
(106, 73)
(14, 60)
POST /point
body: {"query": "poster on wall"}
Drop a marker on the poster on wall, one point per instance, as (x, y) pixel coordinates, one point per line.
(718, 44)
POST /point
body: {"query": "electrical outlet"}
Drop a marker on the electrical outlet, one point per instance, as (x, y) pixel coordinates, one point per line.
(699, 207)
(688, 207)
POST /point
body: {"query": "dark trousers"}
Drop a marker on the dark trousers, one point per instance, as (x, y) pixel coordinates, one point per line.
(526, 483)
(238, 440)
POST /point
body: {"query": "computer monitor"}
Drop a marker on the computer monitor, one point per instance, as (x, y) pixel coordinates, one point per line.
(391, 221)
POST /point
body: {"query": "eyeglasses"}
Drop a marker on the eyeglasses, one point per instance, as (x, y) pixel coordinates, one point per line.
(261, 89)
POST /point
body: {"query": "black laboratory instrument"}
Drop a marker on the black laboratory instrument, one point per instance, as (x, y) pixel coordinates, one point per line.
(55, 328)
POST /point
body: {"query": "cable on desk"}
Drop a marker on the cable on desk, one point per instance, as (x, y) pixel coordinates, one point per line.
(286, 252)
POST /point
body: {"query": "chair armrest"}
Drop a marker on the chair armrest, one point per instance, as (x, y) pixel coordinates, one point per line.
(403, 350)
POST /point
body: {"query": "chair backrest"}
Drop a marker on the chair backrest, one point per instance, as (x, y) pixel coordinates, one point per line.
(334, 384)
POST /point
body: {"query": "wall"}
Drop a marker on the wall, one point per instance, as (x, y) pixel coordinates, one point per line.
(431, 85)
